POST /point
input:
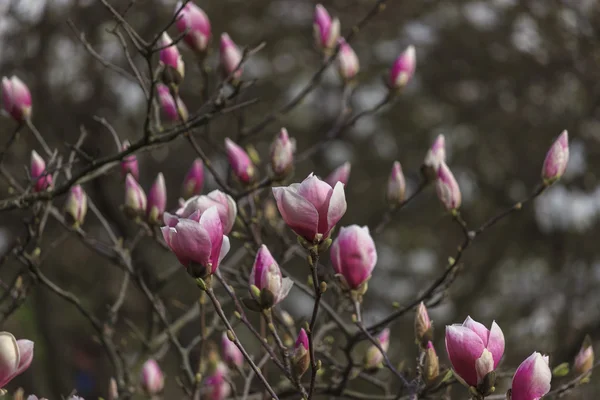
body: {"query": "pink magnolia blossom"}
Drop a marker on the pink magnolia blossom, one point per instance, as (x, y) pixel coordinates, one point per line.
(16, 98)
(218, 387)
(152, 379)
(225, 204)
(403, 69)
(174, 110)
(266, 276)
(396, 187)
(436, 154)
(15, 357)
(532, 379)
(230, 57)
(157, 199)
(129, 165)
(282, 154)
(198, 242)
(447, 188)
(194, 180)
(240, 162)
(423, 325)
(194, 22)
(39, 175)
(171, 60)
(474, 350)
(556, 160)
(340, 174)
(301, 354)
(326, 30)
(373, 357)
(135, 197)
(76, 205)
(231, 354)
(353, 256)
(311, 208)
(347, 61)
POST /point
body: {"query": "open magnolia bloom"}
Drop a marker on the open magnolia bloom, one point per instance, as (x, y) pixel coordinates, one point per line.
(15, 357)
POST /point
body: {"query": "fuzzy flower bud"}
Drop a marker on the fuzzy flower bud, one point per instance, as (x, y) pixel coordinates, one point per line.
(447, 188)
(240, 162)
(374, 357)
(39, 175)
(171, 61)
(347, 61)
(135, 197)
(396, 187)
(434, 157)
(230, 57)
(532, 379)
(194, 180)
(584, 361)
(194, 22)
(423, 325)
(432, 364)
(267, 285)
(231, 354)
(157, 200)
(152, 380)
(326, 30)
(16, 98)
(301, 355)
(129, 165)
(174, 110)
(340, 174)
(403, 69)
(76, 205)
(353, 257)
(556, 160)
(282, 154)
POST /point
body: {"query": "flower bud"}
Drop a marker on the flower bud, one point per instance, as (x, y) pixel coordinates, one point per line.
(194, 180)
(301, 355)
(532, 379)
(434, 157)
(174, 111)
(396, 188)
(217, 383)
(282, 154)
(225, 204)
(194, 23)
(556, 160)
(326, 30)
(39, 175)
(403, 69)
(16, 98)
(447, 188)
(129, 165)
(76, 205)
(374, 357)
(113, 390)
(347, 61)
(231, 354)
(230, 57)
(240, 162)
(423, 326)
(171, 61)
(157, 200)
(135, 198)
(340, 174)
(353, 257)
(432, 365)
(584, 361)
(266, 277)
(152, 380)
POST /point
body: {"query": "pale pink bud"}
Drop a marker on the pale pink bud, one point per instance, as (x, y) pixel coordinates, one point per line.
(347, 61)
(396, 187)
(157, 199)
(76, 205)
(431, 367)
(374, 357)
(326, 30)
(174, 111)
(466, 344)
(135, 197)
(225, 204)
(129, 165)
(353, 256)
(171, 60)
(240, 162)
(266, 276)
(16, 98)
(197, 242)
(194, 180)
(15, 357)
(403, 69)
(447, 188)
(556, 160)
(282, 154)
(39, 175)
(194, 22)
(301, 355)
(532, 379)
(217, 384)
(340, 174)
(152, 379)
(423, 326)
(311, 208)
(435, 156)
(584, 361)
(230, 57)
(231, 354)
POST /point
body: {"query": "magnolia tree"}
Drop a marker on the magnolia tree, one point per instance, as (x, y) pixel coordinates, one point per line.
(214, 236)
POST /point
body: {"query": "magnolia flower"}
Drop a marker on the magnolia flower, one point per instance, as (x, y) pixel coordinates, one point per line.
(194, 180)
(225, 204)
(266, 277)
(301, 354)
(157, 199)
(326, 30)
(556, 160)
(532, 379)
(15, 357)
(76, 205)
(16, 98)
(347, 61)
(194, 23)
(396, 187)
(174, 110)
(217, 384)
(240, 162)
(447, 188)
(340, 174)
(423, 325)
(282, 154)
(353, 256)
(231, 354)
(135, 198)
(152, 379)
(230, 57)
(129, 165)
(403, 69)
(374, 357)
(171, 61)
(41, 177)
(434, 157)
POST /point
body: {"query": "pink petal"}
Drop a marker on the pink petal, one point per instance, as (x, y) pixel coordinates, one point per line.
(337, 207)
(25, 353)
(478, 328)
(191, 242)
(300, 215)
(496, 343)
(464, 347)
(211, 222)
(9, 357)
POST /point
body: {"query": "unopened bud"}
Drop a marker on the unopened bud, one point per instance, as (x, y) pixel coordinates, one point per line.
(431, 368)
(240, 162)
(447, 188)
(403, 69)
(171, 61)
(347, 61)
(301, 355)
(584, 361)
(423, 326)
(230, 57)
(282, 154)
(129, 165)
(340, 174)
(396, 188)
(76, 205)
(157, 200)
(41, 177)
(16, 98)
(194, 180)
(556, 160)
(152, 380)
(135, 198)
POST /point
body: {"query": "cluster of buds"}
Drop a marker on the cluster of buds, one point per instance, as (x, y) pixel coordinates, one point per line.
(15, 356)
(194, 180)
(301, 354)
(240, 162)
(152, 380)
(373, 356)
(16, 99)
(340, 174)
(173, 67)
(267, 285)
(311, 209)
(42, 179)
(226, 207)
(282, 154)
(193, 23)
